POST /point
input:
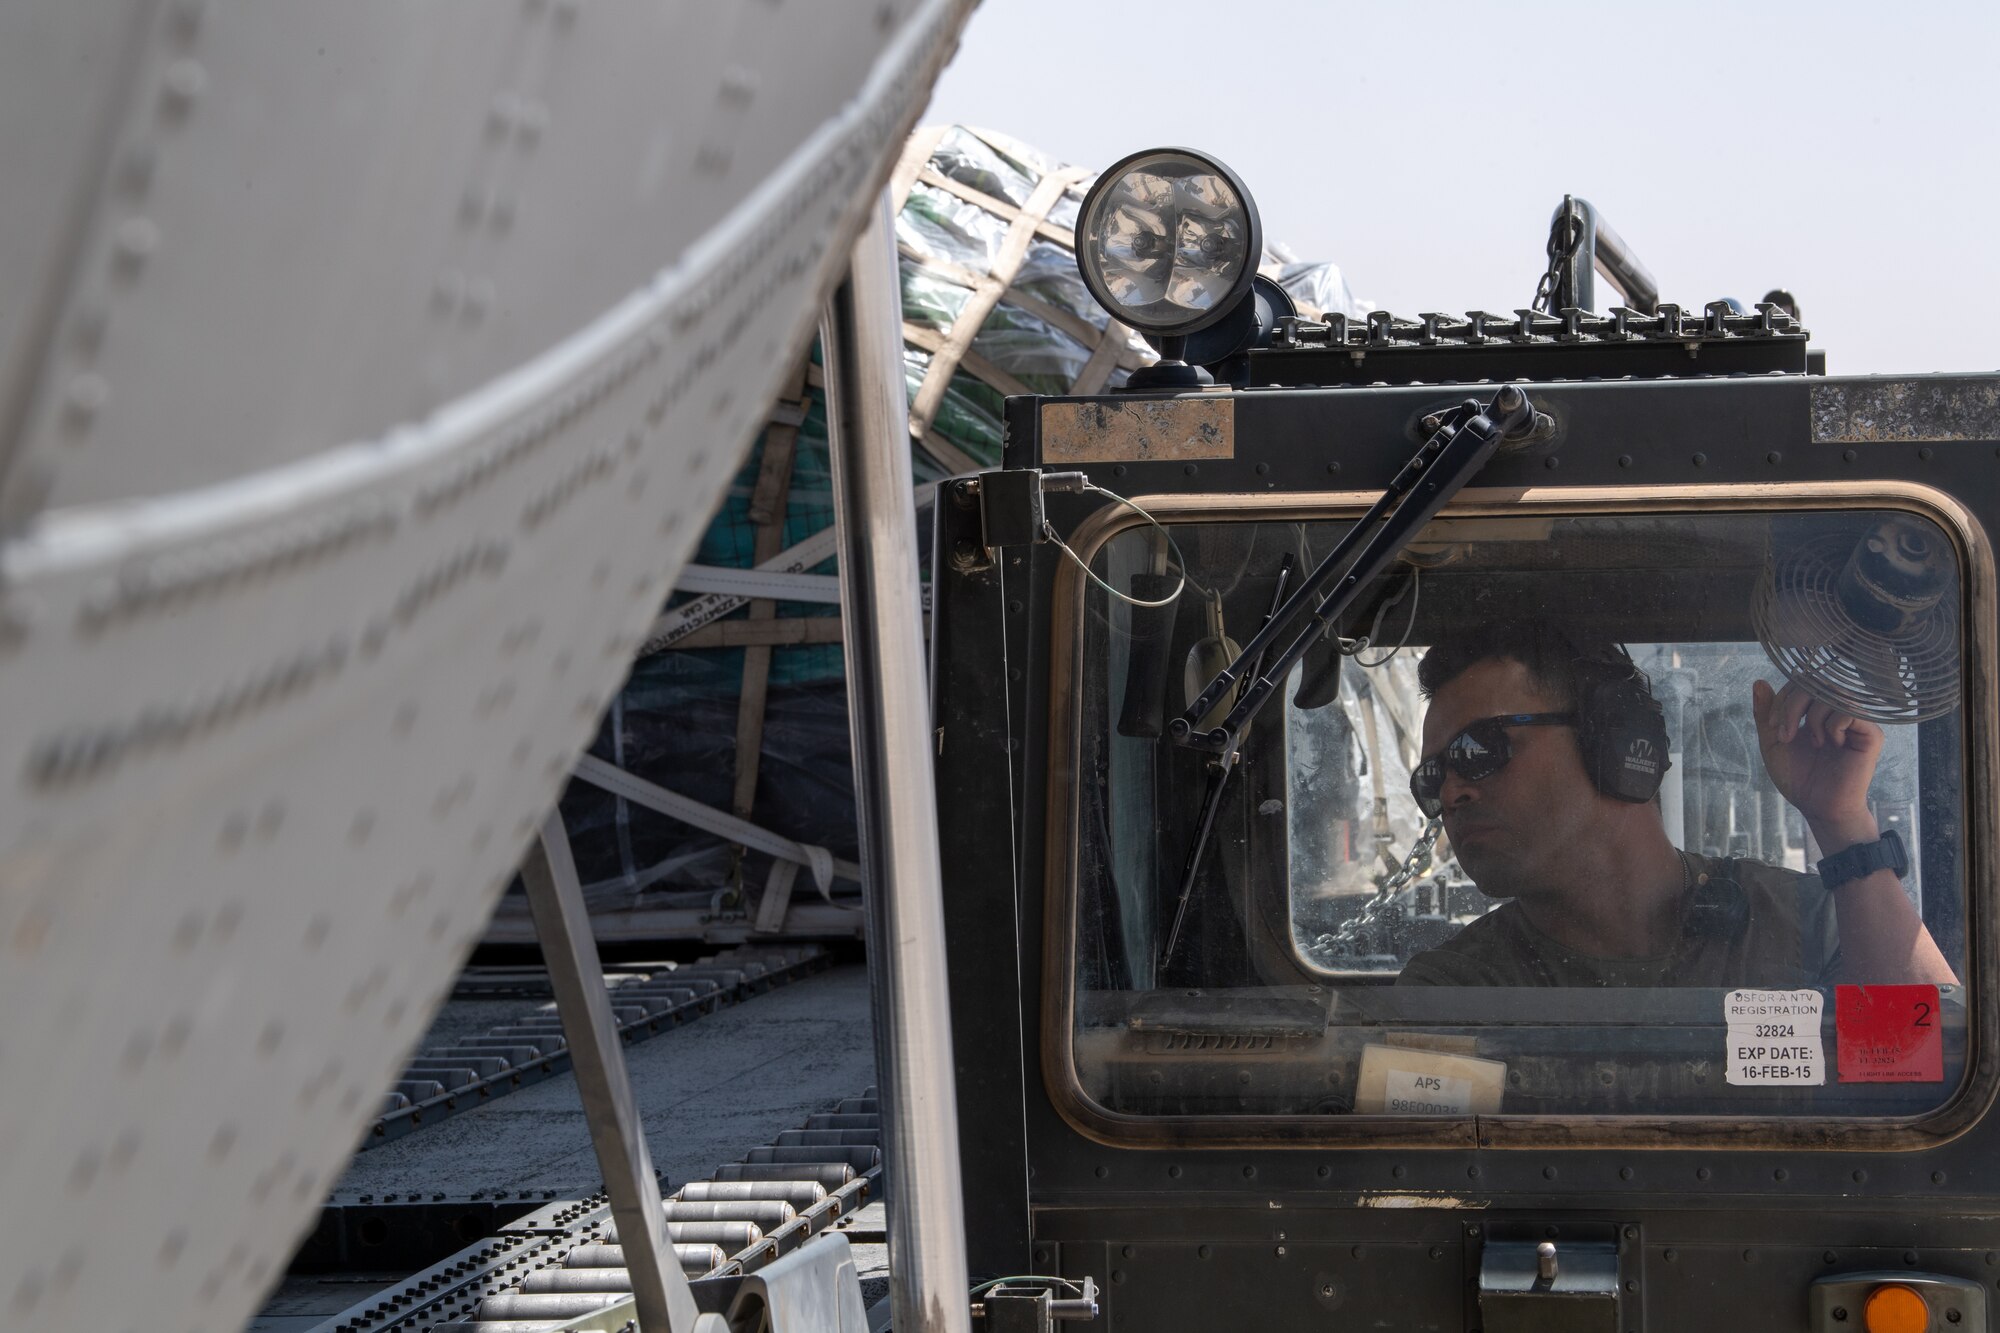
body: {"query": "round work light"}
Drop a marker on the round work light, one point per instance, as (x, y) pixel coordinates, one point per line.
(1168, 241)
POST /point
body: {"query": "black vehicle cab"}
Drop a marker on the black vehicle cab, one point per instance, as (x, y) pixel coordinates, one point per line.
(1178, 921)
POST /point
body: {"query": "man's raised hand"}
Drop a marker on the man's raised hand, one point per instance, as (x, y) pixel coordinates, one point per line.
(1820, 759)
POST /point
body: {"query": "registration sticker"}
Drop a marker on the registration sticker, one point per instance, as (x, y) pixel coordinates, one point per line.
(1774, 1039)
(1888, 1034)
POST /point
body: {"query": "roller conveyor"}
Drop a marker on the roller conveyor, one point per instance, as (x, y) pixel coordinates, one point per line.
(831, 1175)
(470, 1070)
(800, 1194)
(564, 1261)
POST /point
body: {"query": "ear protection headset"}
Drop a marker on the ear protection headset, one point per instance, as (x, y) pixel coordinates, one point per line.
(1620, 727)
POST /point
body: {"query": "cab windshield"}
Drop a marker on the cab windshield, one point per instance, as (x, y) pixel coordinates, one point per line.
(1612, 907)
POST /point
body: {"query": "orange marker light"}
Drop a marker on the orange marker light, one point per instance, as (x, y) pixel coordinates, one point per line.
(1894, 1308)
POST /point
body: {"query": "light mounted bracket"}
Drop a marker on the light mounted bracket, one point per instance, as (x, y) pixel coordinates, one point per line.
(1168, 241)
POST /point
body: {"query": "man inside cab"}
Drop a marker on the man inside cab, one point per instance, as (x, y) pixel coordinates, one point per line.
(1543, 755)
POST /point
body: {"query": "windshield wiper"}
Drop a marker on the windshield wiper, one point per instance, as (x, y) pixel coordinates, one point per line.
(1218, 782)
(1458, 447)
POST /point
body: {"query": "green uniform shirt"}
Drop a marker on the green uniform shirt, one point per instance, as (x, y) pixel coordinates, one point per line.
(1745, 924)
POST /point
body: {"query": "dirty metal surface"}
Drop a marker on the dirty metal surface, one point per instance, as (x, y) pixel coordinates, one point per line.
(1931, 407)
(1139, 429)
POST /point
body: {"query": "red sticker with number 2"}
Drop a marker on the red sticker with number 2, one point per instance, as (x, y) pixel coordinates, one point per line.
(1889, 1034)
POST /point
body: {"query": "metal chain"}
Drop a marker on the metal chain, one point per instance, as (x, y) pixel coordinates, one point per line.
(1564, 237)
(1418, 860)
(1415, 864)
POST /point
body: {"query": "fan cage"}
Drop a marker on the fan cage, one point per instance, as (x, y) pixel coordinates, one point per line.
(1808, 635)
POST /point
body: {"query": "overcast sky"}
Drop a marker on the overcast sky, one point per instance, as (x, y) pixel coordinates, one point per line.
(1845, 151)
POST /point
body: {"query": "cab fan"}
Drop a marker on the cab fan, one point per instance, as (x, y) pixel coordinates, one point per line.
(1870, 628)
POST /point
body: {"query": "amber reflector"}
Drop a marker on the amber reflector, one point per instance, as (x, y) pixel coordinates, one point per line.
(1894, 1308)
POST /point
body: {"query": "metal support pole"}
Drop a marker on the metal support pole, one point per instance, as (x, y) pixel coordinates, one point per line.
(889, 713)
(660, 1293)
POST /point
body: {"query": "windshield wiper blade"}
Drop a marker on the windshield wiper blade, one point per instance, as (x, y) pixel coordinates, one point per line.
(1455, 452)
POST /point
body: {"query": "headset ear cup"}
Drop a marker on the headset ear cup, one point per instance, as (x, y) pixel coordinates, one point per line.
(1627, 741)
(1620, 728)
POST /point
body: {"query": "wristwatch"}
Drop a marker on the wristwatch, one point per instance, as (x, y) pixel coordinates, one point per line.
(1865, 858)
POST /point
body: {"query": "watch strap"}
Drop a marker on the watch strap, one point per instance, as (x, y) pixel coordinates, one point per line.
(1865, 858)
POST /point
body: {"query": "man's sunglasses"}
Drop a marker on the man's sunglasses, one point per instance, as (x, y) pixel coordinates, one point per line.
(1475, 754)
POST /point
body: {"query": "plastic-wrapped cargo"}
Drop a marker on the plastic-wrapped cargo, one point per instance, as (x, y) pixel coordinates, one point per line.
(742, 707)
